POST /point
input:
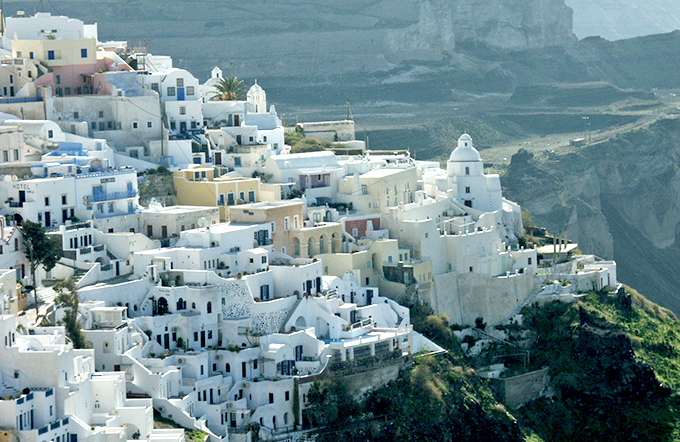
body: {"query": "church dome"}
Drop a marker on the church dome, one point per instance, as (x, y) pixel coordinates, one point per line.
(465, 152)
(255, 90)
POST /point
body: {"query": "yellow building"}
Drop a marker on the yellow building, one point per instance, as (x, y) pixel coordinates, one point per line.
(372, 191)
(199, 186)
(57, 52)
(289, 233)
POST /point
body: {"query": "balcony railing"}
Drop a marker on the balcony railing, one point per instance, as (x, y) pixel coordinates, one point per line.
(98, 248)
(108, 196)
(85, 250)
(15, 204)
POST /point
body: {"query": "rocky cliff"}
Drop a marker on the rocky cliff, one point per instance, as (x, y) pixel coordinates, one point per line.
(275, 38)
(618, 199)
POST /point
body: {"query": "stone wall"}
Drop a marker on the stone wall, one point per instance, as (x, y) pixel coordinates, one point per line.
(465, 297)
(518, 390)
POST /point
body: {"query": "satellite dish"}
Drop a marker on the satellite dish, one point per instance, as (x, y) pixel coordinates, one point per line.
(202, 222)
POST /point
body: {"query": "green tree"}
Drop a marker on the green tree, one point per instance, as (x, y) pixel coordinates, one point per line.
(40, 251)
(69, 299)
(228, 88)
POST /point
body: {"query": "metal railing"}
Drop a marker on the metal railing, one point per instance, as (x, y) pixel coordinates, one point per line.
(108, 196)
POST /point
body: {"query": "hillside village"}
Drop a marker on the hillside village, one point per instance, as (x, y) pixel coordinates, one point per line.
(219, 303)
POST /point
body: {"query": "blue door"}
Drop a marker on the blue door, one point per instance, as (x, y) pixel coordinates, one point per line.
(180, 94)
(182, 127)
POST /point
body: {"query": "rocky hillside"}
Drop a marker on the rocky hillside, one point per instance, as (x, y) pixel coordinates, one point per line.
(618, 199)
(617, 19)
(275, 38)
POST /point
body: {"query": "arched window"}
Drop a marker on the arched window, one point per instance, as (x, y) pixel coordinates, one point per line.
(193, 305)
(228, 368)
(209, 307)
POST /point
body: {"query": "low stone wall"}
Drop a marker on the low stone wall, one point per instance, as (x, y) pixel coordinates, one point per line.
(518, 390)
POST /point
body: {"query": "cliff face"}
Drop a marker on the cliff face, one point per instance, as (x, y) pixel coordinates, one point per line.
(277, 38)
(513, 24)
(618, 199)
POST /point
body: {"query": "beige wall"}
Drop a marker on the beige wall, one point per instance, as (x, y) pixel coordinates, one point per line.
(206, 191)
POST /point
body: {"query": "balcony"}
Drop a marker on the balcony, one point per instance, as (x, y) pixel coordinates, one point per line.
(110, 196)
(15, 204)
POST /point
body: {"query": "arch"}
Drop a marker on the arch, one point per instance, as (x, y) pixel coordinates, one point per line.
(193, 306)
(208, 307)
(100, 260)
(180, 304)
(227, 368)
(300, 323)
(310, 245)
(162, 306)
(296, 247)
(274, 422)
(375, 263)
(106, 347)
(285, 418)
(18, 218)
(322, 247)
(328, 217)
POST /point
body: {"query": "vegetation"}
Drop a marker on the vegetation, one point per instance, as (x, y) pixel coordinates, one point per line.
(611, 365)
(40, 251)
(313, 145)
(192, 435)
(228, 89)
(69, 299)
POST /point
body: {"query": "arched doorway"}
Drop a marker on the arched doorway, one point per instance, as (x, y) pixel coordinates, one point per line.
(296, 247)
(310, 245)
(300, 323)
(162, 306)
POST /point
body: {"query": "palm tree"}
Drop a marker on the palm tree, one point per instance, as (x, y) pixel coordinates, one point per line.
(228, 88)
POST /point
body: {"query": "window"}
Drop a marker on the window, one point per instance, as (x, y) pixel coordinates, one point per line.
(355, 232)
(47, 200)
(467, 170)
(5, 156)
(286, 223)
(271, 398)
(467, 189)
(201, 369)
(50, 133)
(110, 207)
(100, 208)
(63, 199)
(180, 82)
(209, 307)
(195, 336)
(16, 244)
(182, 110)
(287, 395)
(101, 114)
(190, 90)
(171, 91)
(154, 87)
(528, 261)
(16, 154)
(50, 55)
(149, 124)
(83, 53)
(296, 221)
(264, 260)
